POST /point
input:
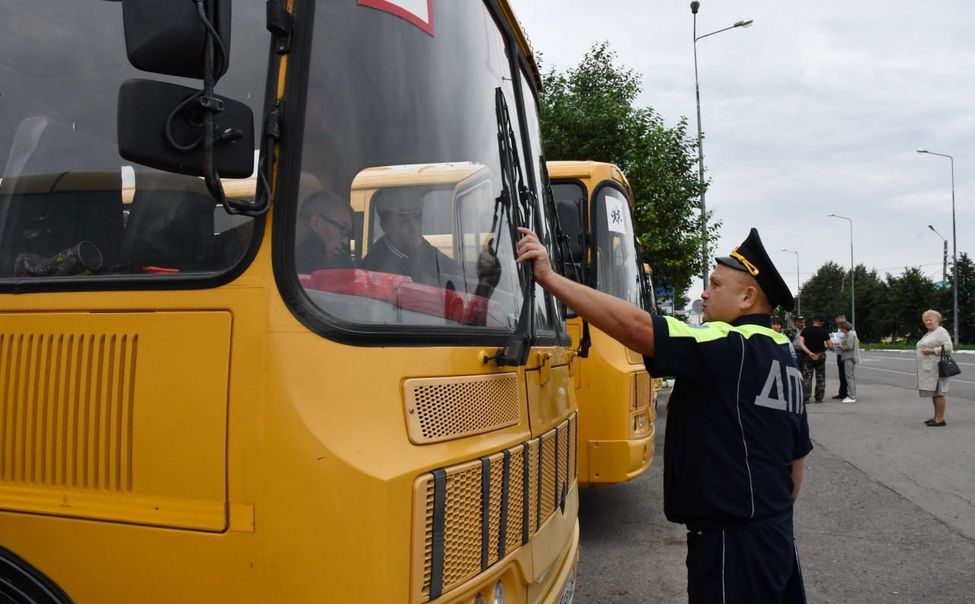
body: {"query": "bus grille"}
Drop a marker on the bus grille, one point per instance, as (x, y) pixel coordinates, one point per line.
(474, 514)
(439, 409)
(66, 405)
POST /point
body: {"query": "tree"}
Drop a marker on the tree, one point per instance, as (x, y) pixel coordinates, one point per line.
(871, 292)
(588, 113)
(910, 294)
(826, 293)
(966, 295)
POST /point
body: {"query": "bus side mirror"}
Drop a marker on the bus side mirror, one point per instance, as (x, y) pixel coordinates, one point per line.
(180, 129)
(150, 135)
(169, 37)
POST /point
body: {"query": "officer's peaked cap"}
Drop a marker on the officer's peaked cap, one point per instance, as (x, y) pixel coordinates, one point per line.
(752, 258)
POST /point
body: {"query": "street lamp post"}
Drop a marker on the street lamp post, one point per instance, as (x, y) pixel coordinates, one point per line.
(944, 258)
(700, 139)
(853, 288)
(954, 242)
(798, 304)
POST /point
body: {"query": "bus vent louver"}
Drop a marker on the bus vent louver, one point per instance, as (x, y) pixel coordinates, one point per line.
(439, 409)
(66, 404)
(641, 390)
(470, 516)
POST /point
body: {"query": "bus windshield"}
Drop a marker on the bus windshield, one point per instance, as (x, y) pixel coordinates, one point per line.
(400, 218)
(70, 207)
(617, 272)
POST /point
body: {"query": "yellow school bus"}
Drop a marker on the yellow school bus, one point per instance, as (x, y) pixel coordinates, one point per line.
(188, 416)
(617, 398)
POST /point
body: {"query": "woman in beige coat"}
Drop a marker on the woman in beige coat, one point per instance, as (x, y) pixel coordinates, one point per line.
(929, 348)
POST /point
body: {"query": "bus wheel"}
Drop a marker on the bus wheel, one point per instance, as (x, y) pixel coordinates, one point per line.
(21, 583)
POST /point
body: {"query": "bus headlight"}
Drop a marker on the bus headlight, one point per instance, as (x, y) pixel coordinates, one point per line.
(568, 592)
(499, 593)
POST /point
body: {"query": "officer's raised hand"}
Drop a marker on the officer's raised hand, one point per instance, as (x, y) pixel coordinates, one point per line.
(621, 320)
(530, 248)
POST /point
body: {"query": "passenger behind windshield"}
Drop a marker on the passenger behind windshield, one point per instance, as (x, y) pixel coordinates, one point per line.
(403, 250)
(325, 226)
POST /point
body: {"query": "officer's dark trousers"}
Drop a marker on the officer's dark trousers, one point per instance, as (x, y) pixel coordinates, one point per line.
(750, 563)
(839, 365)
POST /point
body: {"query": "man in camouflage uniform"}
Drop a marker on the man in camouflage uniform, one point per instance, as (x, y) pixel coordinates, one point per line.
(812, 341)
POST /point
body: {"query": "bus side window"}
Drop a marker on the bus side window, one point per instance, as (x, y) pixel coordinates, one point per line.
(43, 215)
(570, 217)
(170, 225)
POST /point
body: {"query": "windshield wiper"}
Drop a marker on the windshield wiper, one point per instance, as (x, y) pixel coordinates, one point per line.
(563, 252)
(518, 213)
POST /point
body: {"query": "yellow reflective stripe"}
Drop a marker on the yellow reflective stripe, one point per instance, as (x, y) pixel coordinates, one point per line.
(715, 330)
(705, 333)
(752, 330)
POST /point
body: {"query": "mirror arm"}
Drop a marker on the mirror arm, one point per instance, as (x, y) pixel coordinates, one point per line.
(211, 106)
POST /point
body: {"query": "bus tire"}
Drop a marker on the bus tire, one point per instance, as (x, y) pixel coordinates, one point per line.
(21, 583)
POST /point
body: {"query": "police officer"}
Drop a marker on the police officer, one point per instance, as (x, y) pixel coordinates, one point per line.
(737, 431)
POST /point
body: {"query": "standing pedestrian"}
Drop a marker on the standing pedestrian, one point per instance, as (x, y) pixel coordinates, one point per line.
(801, 356)
(812, 340)
(737, 431)
(837, 340)
(849, 352)
(929, 349)
(777, 328)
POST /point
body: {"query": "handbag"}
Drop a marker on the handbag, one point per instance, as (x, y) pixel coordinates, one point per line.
(947, 366)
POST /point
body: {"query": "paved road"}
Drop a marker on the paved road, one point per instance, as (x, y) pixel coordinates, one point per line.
(887, 511)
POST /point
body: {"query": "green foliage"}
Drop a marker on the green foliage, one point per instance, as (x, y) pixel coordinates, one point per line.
(871, 294)
(826, 294)
(888, 309)
(588, 113)
(966, 295)
(909, 295)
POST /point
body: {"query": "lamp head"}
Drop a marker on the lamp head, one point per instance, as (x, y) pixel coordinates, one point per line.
(747, 23)
(832, 214)
(932, 228)
(922, 150)
(694, 6)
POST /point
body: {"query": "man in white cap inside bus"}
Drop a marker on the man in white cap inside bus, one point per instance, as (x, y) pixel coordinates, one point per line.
(737, 431)
(403, 250)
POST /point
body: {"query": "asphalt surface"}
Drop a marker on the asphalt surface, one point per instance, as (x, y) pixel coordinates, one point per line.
(886, 513)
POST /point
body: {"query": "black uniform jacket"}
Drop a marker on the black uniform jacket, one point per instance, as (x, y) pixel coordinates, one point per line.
(735, 420)
(428, 265)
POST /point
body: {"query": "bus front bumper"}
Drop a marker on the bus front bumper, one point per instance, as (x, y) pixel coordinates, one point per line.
(615, 461)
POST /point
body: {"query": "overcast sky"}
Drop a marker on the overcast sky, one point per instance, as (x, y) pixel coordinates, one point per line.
(817, 107)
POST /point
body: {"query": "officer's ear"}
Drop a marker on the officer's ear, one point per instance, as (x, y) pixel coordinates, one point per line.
(749, 296)
(753, 299)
